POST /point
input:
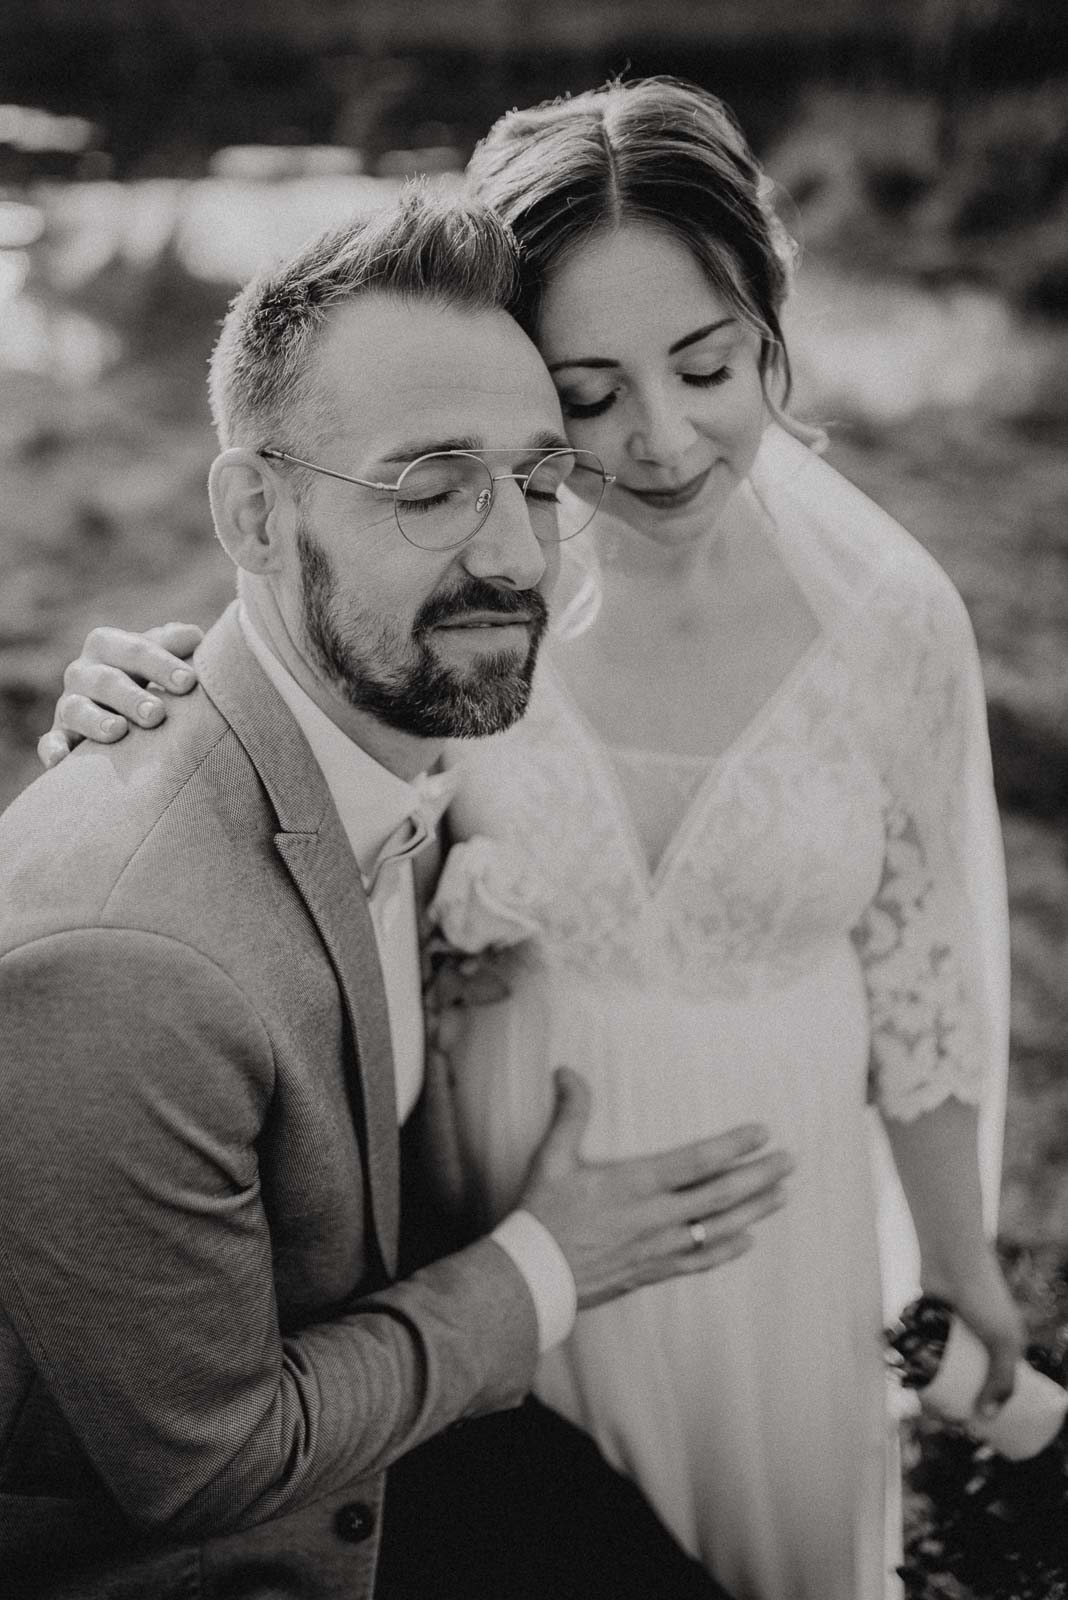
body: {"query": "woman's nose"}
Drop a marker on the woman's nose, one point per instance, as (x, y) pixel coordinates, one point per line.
(663, 430)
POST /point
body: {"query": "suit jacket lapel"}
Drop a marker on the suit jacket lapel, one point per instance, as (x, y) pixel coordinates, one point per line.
(312, 843)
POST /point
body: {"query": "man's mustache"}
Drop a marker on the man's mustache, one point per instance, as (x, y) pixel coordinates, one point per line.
(478, 596)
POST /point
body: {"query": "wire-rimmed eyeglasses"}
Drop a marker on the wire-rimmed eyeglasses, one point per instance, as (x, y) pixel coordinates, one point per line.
(442, 499)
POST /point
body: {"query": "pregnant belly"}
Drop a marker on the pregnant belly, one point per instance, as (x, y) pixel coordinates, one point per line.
(663, 1069)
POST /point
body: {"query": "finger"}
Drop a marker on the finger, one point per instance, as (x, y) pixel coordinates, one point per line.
(735, 1187)
(78, 715)
(717, 1229)
(54, 745)
(695, 1163)
(180, 638)
(716, 1255)
(559, 1150)
(114, 691)
(138, 656)
(999, 1383)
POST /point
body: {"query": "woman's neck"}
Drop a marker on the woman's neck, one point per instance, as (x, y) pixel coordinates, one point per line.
(711, 569)
(627, 555)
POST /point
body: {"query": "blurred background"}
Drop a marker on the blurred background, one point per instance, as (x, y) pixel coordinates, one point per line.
(153, 152)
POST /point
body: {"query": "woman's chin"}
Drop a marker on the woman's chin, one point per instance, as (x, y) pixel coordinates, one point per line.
(671, 528)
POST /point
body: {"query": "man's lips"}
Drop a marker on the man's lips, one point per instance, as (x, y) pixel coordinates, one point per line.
(669, 499)
(487, 619)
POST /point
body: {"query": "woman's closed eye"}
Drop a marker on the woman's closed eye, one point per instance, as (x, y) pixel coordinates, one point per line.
(707, 380)
(587, 408)
(572, 406)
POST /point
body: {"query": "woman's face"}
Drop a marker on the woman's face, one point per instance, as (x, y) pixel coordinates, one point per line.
(657, 375)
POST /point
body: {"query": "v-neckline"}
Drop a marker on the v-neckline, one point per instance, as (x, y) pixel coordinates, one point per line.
(652, 877)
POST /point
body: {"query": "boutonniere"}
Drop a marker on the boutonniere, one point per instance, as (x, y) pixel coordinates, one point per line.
(482, 910)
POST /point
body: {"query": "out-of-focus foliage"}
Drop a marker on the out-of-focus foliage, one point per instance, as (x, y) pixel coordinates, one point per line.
(168, 83)
(888, 180)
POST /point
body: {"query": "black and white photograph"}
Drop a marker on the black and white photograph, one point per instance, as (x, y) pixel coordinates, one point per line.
(533, 800)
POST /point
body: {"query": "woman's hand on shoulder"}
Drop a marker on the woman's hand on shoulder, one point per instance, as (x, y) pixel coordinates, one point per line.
(117, 682)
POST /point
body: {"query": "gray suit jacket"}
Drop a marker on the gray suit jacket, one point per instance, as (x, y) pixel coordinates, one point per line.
(205, 1363)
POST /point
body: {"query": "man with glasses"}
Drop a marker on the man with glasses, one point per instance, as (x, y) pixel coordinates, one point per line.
(209, 992)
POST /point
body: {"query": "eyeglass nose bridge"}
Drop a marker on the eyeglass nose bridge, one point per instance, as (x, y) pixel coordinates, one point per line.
(484, 500)
(485, 497)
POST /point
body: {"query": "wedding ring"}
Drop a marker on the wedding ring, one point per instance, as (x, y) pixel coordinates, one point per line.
(698, 1234)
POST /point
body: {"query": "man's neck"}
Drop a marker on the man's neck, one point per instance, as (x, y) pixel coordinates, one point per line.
(404, 754)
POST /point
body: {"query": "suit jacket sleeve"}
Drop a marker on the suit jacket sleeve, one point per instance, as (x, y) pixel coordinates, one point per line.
(135, 1256)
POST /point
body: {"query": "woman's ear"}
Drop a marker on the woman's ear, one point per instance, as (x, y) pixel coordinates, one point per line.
(253, 509)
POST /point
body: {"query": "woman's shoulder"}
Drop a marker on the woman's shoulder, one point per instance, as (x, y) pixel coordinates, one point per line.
(917, 593)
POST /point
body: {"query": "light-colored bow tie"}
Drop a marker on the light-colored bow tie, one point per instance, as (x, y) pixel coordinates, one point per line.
(415, 832)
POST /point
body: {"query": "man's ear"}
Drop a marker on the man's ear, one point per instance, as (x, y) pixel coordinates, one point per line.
(253, 509)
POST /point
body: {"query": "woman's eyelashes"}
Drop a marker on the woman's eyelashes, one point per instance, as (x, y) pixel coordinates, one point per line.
(587, 408)
(575, 408)
(707, 380)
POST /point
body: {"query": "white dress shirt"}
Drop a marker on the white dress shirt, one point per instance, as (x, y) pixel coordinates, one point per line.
(387, 821)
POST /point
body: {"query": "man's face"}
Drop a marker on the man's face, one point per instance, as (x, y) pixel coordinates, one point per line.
(437, 643)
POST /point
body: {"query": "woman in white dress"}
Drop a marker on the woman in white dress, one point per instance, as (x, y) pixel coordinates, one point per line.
(746, 834)
(743, 853)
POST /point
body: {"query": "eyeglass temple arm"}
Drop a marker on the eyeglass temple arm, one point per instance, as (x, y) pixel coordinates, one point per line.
(327, 472)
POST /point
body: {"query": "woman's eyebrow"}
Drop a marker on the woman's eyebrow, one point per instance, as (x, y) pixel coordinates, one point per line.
(673, 350)
(582, 361)
(699, 334)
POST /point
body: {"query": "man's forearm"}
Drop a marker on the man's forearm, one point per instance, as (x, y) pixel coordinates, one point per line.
(456, 1340)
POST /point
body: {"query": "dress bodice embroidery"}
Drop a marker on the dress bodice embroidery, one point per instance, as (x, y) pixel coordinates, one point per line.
(778, 851)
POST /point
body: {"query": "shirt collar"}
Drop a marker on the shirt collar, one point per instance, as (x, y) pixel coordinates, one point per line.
(371, 801)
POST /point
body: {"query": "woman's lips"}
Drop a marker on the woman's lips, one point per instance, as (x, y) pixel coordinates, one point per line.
(670, 499)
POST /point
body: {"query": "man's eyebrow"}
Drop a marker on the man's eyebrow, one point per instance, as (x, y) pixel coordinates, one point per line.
(673, 350)
(402, 454)
(411, 448)
(548, 439)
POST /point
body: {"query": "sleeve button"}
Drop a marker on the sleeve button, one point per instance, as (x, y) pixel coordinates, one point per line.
(354, 1522)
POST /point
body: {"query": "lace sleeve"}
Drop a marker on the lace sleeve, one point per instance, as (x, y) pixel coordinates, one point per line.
(925, 1046)
(934, 941)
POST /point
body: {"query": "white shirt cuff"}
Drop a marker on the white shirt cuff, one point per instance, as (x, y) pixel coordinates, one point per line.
(549, 1278)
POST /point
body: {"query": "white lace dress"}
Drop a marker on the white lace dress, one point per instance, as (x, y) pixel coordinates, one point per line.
(825, 925)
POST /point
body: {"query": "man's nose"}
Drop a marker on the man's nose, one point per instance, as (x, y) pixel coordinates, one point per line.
(663, 430)
(504, 548)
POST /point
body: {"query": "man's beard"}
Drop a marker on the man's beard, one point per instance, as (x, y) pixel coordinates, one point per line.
(400, 680)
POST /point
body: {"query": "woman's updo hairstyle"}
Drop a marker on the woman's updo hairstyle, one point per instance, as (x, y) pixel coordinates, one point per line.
(657, 151)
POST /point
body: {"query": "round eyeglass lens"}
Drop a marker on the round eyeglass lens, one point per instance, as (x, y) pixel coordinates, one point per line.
(563, 494)
(441, 500)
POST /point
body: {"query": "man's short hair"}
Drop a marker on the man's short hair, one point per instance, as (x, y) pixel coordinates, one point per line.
(428, 245)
